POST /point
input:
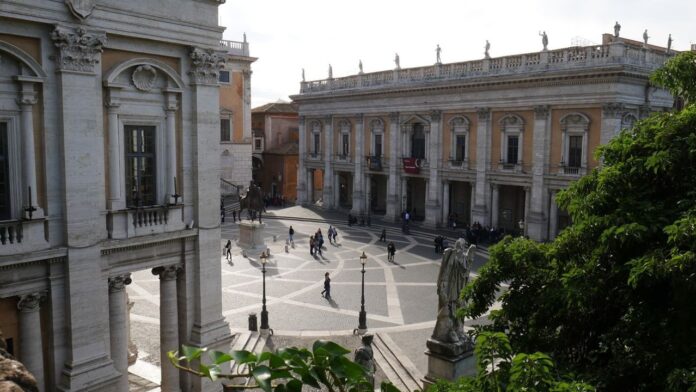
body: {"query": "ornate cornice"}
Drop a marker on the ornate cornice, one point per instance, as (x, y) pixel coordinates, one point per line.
(541, 112)
(31, 302)
(78, 49)
(205, 66)
(117, 283)
(168, 272)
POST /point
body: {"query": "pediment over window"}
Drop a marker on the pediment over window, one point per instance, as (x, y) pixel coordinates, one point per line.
(414, 119)
(460, 122)
(344, 125)
(377, 123)
(512, 120)
(575, 120)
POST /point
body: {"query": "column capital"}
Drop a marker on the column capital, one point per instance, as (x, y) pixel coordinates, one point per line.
(495, 186)
(541, 112)
(168, 272)
(205, 66)
(27, 100)
(394, 116)
(328, 120)
(612, 109)
(359, 117)
(483, 113)
(436, 115)
(112, 103)
(302, 120)
(30, 302)
(78, 49)
(118, 283)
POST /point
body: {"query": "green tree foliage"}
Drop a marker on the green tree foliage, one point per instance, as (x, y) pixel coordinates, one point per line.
(613, 298)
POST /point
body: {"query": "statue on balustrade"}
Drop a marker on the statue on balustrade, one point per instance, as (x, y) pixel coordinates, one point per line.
(487, 47)
(617, 29)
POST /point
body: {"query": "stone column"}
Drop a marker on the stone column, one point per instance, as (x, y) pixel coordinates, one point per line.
(495, 204)
(246, 108)
(30, 343)
(393, 201)
(310, 186)
(170, 109)
(359, 158)
(112, 103)
(368, 194)
(118, 327)
(81, 134)
(472, 201)
(535, 219)
(27, 100)
(553, 217)
(301, 171)
(403, 202)
(327, 194)
(208, 326)
(611, 121)
(445, 203)
(480, 212)
(169, 327)
(432, 203)
(527, 202)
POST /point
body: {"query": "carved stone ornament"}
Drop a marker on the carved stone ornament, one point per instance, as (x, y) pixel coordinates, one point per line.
(117, 283)
(377, 124)
(459, 122)
(206, 66)
(166, 273)
(612, 109)
(394, 116)
(436, 115)
(144, 77)
(82, 9)
(78, 49)
(511, 120)
(575, 119)
(483, 114)
(541, 112)
(30, 302)
(344, 125)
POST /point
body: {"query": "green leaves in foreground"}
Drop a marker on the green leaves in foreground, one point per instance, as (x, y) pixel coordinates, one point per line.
(286, 370)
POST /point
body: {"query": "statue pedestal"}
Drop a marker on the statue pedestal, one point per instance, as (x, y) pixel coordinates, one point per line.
(448, 368)
(251, 237)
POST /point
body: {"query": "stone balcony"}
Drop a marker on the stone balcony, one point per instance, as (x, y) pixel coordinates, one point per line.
(136, 222)
(235, 48)
(578, 57)
(22, 236)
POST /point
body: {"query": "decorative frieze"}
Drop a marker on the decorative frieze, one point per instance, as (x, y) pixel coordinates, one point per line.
(541, 112)
(78, 49)
(205, 66)
(82, 9)
(118, 283)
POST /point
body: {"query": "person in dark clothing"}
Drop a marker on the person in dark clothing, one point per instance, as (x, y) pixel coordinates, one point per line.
(291, 232)
(391, 250)
(228, 250)
(327, 287)
(311, 245)
(234, 215)
(383, 237)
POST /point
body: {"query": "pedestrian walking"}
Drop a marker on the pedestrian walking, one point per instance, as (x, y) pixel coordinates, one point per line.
(291, 232)
(335, 235)
(311, 245)
(222, 215)
(327, 287)
(234, 215)
(330, 233)
(391, 251)
(228, 250)
(383, 237)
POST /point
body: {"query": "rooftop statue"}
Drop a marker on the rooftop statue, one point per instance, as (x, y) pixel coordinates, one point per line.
(396, 61)
(617, 29)
(303, 78)
(330, 72)
(360, 66)
(544, 40)
(488, 47)
(669, 44)
(645, 37)
(437, 54)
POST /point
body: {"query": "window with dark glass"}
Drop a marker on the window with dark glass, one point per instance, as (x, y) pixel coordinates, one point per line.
(5, 208)
(574, 151)
(224, 77)
(140, 165)
(317, 143)
(257, 143)
(378, 145)
(513, 143)
(225, 130)
(345, 144)
(460, 150)
(418, 142)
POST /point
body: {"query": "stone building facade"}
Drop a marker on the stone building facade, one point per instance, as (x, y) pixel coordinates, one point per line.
(108, 114)
(488, 141)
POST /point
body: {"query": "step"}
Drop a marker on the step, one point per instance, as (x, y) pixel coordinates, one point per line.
(396, 366)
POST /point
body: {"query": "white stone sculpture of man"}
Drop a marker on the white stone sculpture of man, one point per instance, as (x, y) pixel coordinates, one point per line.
(488, 47)
(360, 66)
(396, 61)
(303, 78)
(437, 53)
(617, 29)
(544, 40)
(330, 72)
(645, 37)
(669, 44)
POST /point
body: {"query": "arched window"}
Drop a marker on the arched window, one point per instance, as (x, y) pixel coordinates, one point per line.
(511, 142)
(574, 138)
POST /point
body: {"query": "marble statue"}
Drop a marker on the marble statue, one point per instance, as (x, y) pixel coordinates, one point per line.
(448, 334)
(330, 72)
(244, 35)
(396, 61)
(669, 43)
(360, 66)
(617, 28)
(488, 47)
(303, 78)
(544, 40)
(645, 37)
(438, 60)
(14, 376)
(365, 357)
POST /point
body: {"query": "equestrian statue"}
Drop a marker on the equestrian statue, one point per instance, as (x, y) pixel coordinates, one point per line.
(252, 201)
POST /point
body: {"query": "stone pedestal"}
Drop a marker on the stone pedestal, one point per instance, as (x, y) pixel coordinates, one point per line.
(448, 368)
(251, 237)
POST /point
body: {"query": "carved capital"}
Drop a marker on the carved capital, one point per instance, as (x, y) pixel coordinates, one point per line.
(436, 115)
(359, 118)
(27, 100)
(394, 117)
(205, 66)
(31, 302)
(612, 109)
(541, 112)
(78, 49)
(118, 283)
(166, 273)
(483, 114)
(328, 121)
(302, 120)
(644, 111)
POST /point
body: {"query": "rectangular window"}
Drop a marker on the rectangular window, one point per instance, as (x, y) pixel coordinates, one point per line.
(513, 143)
(574, 151)
(317, 143)
(224, 77)
(257, 144)
(378, 145)
(5, 208)
(460, 151)
(140, 165)
(225, 130)
(346, 150)
(418, 142)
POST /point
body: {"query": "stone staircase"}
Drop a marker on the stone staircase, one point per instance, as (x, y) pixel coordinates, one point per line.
(249, 341)
(396, 366)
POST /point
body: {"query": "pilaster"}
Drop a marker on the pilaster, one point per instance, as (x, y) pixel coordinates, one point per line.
(358, 177)
(535, 219)
(169, 329)
(302, 194)
(480, 212)
(611, 121)
(328, 190)
(30, 342)
(118, 324)
(393, 200)
(433, 201)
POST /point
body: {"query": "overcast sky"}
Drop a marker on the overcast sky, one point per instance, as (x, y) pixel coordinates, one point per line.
(287, 36)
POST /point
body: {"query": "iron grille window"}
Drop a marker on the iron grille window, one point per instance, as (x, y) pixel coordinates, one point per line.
(513, 143)
(418, 142)
(140, 165)
(574, 151)
(225, 129)
(5, 208)
(460, 151)
(345, 144)
(378, 145)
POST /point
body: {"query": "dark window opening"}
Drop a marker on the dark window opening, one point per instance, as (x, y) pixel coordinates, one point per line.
(225, 129)
(460, 150)
(224, 77)
(346, 145)
(418, 142)
(317, 143)
(5, 208)
(574, 151)
(140, 165)
(513, 143)
(378, 145)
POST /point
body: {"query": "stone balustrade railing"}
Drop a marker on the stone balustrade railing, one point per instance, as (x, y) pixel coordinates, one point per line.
(20, 236)
(235, 47)
(559, 59)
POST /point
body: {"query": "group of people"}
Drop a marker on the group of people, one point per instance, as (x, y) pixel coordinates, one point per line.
(364, 219)
(316, 242)
(278, 201)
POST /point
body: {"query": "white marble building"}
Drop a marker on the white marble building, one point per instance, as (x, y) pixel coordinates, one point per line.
(108, 114)
(489, 140)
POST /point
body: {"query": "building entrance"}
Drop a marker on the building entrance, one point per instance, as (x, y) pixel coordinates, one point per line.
(345, 189)
(510, 208)
(460, 203)
(377, 194)
(415, 197)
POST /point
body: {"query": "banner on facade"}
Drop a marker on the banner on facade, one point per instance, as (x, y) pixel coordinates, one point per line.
(412, 165)
(375, 163)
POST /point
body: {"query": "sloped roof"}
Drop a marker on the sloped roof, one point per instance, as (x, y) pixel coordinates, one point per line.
(279, 106)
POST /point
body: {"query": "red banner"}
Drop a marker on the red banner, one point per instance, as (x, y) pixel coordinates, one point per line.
(412, 165)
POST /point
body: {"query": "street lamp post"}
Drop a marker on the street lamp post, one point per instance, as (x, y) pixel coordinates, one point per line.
(264, 314)
(362, 318)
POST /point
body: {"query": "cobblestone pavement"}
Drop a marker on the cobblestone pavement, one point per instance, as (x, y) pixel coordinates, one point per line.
(400, 297)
